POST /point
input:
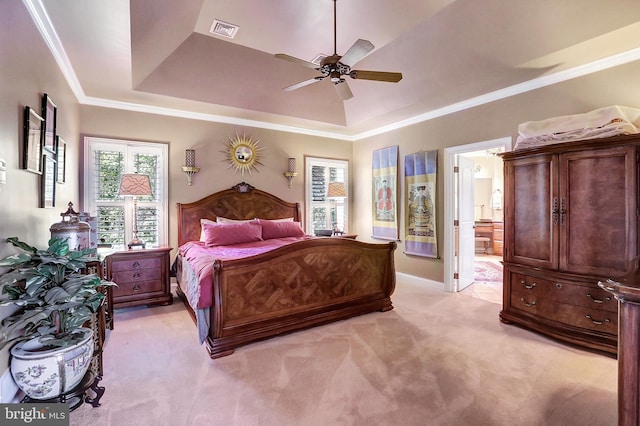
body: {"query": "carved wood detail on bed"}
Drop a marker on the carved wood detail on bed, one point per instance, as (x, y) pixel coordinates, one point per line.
(242, 201)
(297, 286)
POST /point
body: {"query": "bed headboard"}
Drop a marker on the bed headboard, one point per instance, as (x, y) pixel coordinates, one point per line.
(242, 201)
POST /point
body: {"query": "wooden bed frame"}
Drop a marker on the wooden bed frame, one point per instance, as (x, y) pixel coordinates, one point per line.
(297, 286)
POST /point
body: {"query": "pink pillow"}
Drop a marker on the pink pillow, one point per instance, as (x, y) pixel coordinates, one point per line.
(219, 220)
(231, 233)
(272, 229)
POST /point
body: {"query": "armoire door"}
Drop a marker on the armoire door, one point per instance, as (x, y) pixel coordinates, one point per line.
(598, 223)
(531, 188)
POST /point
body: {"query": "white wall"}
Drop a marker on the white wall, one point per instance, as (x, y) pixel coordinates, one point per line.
(27, 71)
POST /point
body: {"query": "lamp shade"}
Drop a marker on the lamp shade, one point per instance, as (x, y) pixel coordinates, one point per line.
(135, 184)
(336, 190)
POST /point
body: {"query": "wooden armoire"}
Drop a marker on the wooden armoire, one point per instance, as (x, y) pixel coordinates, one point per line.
(571, 220)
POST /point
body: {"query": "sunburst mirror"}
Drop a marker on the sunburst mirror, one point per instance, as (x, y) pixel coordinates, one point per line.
(243, 154)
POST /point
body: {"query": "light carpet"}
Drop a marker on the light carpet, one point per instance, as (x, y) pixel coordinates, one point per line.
(436, 359)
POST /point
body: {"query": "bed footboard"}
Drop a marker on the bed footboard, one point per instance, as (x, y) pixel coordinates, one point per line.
(295, 287)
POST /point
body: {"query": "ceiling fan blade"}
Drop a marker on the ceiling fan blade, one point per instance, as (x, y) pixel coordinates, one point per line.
(296, 60)
(359, 50)
(343, 90)
(391, 77)
(302, 84)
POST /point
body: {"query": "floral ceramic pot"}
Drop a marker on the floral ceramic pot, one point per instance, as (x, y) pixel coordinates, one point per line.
(44, 373)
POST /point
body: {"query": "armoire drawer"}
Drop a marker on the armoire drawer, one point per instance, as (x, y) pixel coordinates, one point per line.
(591, 319)
(585, 295)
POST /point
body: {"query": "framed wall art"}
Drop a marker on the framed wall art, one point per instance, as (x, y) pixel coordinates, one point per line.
(33, 139)
(385, 193)
(49, 113)
(48, 182)
(61, 159)
(420, 172)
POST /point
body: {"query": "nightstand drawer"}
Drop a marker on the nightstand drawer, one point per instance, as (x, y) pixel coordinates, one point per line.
(135, 264)
(134, 276)
(137, 288)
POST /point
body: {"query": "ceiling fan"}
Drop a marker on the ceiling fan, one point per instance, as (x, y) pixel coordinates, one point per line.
(336, 66)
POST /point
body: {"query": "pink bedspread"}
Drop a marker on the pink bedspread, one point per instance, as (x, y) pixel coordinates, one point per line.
(201, 259)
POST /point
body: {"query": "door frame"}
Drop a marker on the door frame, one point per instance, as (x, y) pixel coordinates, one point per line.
(450, 213)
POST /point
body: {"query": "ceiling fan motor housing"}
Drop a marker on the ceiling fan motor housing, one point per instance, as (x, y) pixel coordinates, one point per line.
(332, 67)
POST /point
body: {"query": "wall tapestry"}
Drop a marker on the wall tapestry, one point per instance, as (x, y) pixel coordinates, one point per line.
(385, 193)
(420, 171)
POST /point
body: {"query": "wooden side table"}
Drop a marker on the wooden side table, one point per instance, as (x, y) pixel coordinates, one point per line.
(352, 236)
(142, 277)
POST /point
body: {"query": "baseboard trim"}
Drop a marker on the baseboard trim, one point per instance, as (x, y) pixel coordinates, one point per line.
(421, 281)
(8, 389)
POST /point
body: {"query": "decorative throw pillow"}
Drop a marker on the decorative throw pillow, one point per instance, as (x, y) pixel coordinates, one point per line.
(219, 220)
(273, 229)
(231, 233)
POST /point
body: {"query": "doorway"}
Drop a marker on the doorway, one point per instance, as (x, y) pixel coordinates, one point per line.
(487, 210)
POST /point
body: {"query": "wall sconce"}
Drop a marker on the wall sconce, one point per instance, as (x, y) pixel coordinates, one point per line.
(190, 164)
(291, 171)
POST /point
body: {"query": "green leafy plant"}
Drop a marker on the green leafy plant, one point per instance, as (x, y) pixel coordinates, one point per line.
(54, 297)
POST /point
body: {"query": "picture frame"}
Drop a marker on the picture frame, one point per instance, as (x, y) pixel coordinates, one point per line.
(49, 114)
(61, 159)
(48, 182)
(421, 204)
(32, 141)
(384, 183)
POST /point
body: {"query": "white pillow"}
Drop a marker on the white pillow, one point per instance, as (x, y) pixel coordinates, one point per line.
(286, 219)
(221, 219)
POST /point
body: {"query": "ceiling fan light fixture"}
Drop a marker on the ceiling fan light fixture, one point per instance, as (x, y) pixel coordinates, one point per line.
(336, 66)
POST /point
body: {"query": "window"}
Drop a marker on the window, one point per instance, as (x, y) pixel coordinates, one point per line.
(327, 194)
(105, 161)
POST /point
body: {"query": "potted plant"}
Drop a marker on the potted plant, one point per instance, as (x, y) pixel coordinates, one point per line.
(54, 299)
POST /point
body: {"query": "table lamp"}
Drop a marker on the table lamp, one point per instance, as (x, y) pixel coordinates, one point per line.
(135, 185)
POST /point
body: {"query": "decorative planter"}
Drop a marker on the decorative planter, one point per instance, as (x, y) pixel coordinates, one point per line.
(48, 373)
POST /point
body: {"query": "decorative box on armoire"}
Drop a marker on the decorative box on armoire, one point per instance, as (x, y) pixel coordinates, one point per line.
(571, 220)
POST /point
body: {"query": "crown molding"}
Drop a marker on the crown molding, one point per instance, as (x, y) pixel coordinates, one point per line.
(44, 25)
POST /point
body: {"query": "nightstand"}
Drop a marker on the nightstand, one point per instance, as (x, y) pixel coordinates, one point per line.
(142, 277)
(352, 236)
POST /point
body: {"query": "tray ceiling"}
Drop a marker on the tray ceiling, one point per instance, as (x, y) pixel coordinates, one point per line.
(160, 55)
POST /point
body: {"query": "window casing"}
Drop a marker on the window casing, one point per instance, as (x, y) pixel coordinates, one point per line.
(325, 212)
(105, 161)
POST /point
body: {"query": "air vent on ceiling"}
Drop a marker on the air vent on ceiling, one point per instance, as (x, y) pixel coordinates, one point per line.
(318, 59)
(224, 29)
